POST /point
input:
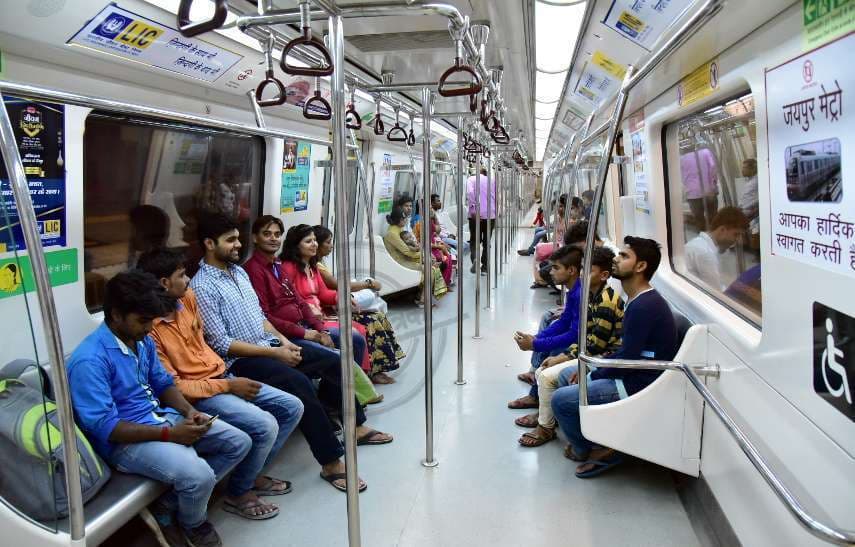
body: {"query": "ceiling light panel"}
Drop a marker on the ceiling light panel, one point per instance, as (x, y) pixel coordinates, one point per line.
(557, 28)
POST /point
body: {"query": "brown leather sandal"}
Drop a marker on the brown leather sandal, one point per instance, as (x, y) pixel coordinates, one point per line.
(538, 437)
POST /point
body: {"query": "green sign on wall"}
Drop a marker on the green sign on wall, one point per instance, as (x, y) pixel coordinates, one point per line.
(15, 276)
(825, 20)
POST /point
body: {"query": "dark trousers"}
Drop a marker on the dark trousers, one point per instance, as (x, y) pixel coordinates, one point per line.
(324, 364)
(314, 424)
(703, 210)
(486, 228)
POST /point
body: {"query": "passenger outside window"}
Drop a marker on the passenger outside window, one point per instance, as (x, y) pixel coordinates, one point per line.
(145, 184)
(711, 159)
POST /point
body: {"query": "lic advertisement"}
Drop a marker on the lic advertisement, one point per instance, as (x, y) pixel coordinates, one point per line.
(813, 212)
(125, 34)
(38, 130)
(296, 164)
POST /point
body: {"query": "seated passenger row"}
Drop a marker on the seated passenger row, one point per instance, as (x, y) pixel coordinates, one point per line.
(188, 380)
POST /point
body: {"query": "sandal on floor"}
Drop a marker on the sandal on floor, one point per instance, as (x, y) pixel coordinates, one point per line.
(277, 487)
(371, 438)
(342, 476)
(375, 400)
(529, 420)
(527, 377)
(538, 286)
(531, 439)
(600, 466)
(245, 509)
(570, 454)
(381, 378)
(518, 404)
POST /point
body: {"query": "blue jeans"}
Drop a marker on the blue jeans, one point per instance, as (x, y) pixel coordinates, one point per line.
(268, 420)
(539, 235)
(358, 343)
(565, 405)
(192, 471)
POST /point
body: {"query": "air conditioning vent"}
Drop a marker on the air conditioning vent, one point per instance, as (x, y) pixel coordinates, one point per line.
(399, 41)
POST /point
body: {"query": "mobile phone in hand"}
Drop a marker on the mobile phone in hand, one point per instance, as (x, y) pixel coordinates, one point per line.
(212, 420)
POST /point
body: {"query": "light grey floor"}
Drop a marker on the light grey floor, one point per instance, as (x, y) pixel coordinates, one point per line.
(487, 490)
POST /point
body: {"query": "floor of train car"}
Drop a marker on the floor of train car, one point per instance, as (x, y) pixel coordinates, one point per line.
(487, 490)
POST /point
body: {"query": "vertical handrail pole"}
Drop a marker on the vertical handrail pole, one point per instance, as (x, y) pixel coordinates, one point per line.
(367, 199)
(491, 206)
(461, 259)
(339, 157)
(427, 264)
(50, 320)
(475, 248)
(602, 172)
(256, 109)
(501, 232)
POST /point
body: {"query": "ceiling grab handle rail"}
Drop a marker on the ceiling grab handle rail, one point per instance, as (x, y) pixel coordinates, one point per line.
(351, 116)
(270, 78)
(50, 320)
(475, 85)
(189, 29)
(392, 135)
(306, 40)
(315, 101)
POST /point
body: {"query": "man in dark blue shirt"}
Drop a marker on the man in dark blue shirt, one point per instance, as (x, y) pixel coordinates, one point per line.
(136, 417)
(649, 332)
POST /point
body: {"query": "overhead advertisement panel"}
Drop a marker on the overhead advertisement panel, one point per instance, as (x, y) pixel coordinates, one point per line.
(133, 37)
(601, 77)
(643, 21)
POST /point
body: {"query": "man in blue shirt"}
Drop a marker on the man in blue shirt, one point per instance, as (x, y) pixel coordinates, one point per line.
(137, 418)
(564, 331)
(649, 332)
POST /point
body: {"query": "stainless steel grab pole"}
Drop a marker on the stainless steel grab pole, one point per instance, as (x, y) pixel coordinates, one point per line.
(491, 197)
(339, 141)
(461, 259)
(475, 249)
(50, 320)
(427, 264)
(368, 200)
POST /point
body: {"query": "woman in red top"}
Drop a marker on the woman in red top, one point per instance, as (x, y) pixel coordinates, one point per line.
(299, 264)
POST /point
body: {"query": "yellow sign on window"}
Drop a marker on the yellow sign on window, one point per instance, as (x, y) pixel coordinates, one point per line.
(698, 84)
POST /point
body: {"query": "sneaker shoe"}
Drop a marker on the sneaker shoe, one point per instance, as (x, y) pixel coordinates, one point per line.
(172, 535)
(472, 269)
(203, 535)
(523, 252)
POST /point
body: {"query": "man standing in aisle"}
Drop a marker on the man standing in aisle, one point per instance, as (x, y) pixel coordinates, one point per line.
(486, 191)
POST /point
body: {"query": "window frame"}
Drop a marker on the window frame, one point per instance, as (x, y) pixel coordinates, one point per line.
(746, 314)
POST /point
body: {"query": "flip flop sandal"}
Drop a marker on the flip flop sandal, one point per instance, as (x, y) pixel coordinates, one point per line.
(571, 455)
(375, 400)
(270, 490)
(245, 509)
(341, 476)
(516, 404)
(529, 420)
(369, 437)
(536, 441)
(382, 379)
(527, 377)
(600, 466)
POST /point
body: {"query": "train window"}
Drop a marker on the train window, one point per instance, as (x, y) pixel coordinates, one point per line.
(405, 185)
(145, 184)
(711, 159)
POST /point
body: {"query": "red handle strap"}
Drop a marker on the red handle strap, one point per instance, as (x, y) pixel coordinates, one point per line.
(485, 113)
(351, 118)
(411, 138)
(392, 136)
(501, 136)
(277, 99)
(492, 124)
(473, 103)
(306, 40)
(473, 88)
(189, 28)
(317, 100)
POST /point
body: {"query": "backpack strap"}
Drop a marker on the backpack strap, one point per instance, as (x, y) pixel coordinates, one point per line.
(14, 369)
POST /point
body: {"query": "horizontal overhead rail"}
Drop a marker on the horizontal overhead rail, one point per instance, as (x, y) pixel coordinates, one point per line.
(44, 93)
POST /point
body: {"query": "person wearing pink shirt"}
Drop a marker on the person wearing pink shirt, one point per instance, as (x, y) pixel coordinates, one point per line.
(487, 207)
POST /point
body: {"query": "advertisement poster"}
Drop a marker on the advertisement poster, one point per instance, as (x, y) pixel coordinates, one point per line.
(386, 187)
(125, 34)
(600, 78)
(296, 165)
(16, 275)
(813, 212)
(639, 160)
(643, 21)
(826, 20)
(38, 128)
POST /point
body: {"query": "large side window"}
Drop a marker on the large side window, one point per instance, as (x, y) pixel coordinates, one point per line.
(711, 159)
(146, 182)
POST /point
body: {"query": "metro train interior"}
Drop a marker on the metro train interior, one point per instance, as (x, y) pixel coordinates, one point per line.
(597, 258)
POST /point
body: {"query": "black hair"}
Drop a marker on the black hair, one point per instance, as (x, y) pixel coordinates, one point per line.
(403, 200)
(322, 233)
(603, 258)
(646, 250)
(434, 196)
(213, 225)
(395, 216)
(161, 262)
(264, 221)
(732, 217)
(562, 199)
(588, 194)
(567, 257)
(577, 233)
(576, 202)
(136, 291)
(291, 247)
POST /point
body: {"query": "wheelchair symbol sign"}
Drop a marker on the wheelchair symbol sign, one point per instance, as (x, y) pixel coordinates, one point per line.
(834, 357)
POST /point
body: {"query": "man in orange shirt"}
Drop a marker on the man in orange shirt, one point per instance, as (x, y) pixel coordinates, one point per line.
(268, 415)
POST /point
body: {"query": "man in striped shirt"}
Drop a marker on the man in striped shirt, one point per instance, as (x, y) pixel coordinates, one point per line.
(605, 316)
